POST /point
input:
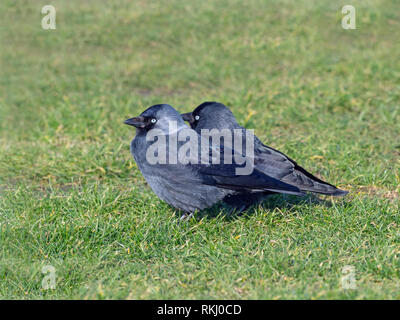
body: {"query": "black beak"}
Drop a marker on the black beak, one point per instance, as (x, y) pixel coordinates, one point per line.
(188, 117)
(138, 122)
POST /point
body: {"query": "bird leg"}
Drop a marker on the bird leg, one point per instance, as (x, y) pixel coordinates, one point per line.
(185, 216)
(237, 209)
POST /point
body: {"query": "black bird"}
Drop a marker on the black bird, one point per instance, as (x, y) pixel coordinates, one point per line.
(214, 115)
(192, 186)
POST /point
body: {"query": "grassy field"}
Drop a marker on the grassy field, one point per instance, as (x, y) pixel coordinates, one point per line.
(72, 197)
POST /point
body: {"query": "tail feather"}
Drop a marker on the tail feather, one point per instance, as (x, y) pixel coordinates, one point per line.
(308, 183)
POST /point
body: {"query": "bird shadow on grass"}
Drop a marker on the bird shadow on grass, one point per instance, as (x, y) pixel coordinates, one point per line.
(277, 201)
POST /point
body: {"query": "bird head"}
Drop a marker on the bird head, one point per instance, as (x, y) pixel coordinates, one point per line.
(157, 117)
(211, 115)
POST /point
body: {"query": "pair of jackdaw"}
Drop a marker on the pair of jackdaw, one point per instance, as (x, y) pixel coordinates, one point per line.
(195, 178)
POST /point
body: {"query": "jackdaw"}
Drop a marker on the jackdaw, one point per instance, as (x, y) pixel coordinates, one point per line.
(275, 164)
(190, 186)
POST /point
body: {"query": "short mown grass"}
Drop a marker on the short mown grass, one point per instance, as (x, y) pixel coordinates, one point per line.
(72, 197)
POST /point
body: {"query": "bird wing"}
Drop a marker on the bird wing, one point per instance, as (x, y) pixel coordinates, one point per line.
(272, 168)
(224, 175)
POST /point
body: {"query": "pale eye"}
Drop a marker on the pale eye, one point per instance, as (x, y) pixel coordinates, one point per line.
(153, 120)
(196, 118)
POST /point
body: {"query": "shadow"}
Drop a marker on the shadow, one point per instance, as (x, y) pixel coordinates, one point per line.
(270, 203)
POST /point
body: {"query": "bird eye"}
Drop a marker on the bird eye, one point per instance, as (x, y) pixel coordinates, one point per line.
(154, 120)
(196, 118)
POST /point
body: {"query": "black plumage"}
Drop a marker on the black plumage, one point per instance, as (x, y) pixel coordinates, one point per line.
(273, 163)
(193, 186)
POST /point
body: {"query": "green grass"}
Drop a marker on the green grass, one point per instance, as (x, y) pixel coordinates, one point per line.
(72, 197)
